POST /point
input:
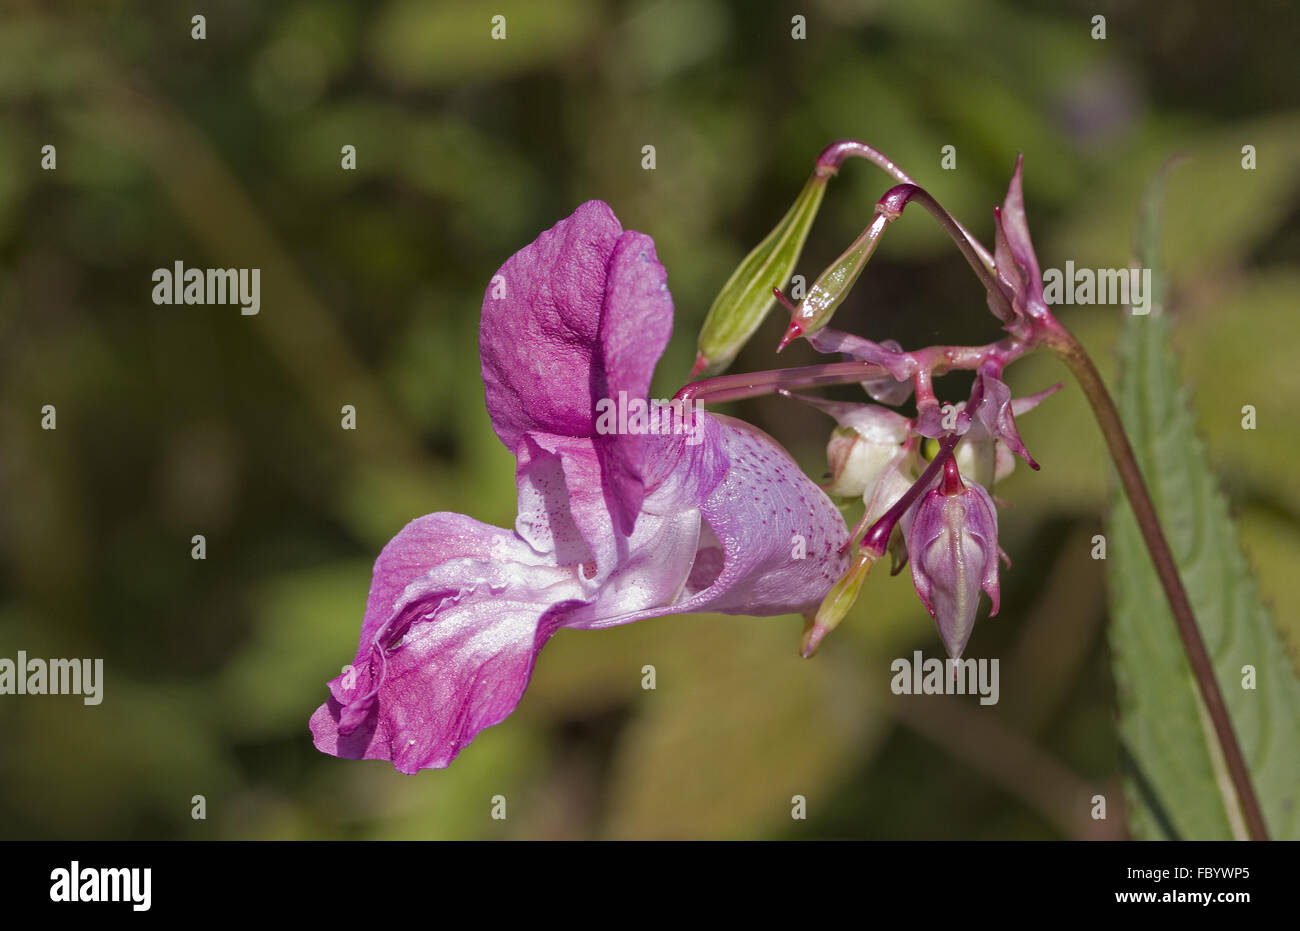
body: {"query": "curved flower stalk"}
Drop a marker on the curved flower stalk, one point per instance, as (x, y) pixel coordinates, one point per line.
(613, 527)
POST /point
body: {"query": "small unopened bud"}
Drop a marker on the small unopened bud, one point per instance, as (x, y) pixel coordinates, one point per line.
(952, 539)
(837, 603)
(834, 284)
(985, 459)
(856, 462)
(747, 296)
(867, 443)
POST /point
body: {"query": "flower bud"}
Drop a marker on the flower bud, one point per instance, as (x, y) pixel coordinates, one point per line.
(1014, 260)
(865, 445)
(952, 541)
(747, 296)
(837, 603)
(983, 458)
(834, 284)
(856, 462)
(892, 483)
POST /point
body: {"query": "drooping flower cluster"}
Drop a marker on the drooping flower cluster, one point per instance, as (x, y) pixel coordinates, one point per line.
(879, 455)
(938, 513)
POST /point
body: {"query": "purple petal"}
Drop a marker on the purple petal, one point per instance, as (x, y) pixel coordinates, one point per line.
(1015, 229)
(578, 315)
(634, 329)
(887, 389)
(991, 402)
(870, 421)
(930, 420)
(888, 355)
(457, 613)
(1013, 255)
(687, 469)
(562, 508)
(1029, 402)
(772, 539)
(661, 555)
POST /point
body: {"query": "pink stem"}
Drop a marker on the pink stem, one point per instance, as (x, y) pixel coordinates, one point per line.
(754, 384)
(876, 539)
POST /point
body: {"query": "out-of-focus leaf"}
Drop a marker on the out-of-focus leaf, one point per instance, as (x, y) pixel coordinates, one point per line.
(1179, 787)
(309, 629)
(1216, 211)
(435, 44)
(661, 38)
(151, 750)
(736, 727)
(1232, 345)
(1272, 544)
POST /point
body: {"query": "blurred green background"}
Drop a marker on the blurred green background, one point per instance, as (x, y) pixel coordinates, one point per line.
(175, 420)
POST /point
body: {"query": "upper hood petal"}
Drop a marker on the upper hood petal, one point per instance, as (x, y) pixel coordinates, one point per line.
(580, 314)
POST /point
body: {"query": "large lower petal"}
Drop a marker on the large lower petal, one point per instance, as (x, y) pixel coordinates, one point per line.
(458, 611)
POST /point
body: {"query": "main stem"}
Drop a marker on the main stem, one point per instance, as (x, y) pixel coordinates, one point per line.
(1068, 350)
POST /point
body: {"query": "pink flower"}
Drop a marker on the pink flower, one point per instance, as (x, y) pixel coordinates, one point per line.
(610, 529)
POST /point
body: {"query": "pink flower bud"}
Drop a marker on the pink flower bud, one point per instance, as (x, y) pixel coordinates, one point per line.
(952, 542)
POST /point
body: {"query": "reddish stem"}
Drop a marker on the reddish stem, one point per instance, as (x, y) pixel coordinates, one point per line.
(876, 539)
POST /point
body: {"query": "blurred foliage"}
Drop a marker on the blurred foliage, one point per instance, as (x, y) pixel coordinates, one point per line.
(178, 420)
(1179, 787)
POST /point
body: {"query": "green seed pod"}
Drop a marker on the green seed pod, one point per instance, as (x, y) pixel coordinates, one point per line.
(746, 298)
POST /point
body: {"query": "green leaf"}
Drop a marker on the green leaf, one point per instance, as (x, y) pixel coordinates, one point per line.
(1178, 786)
